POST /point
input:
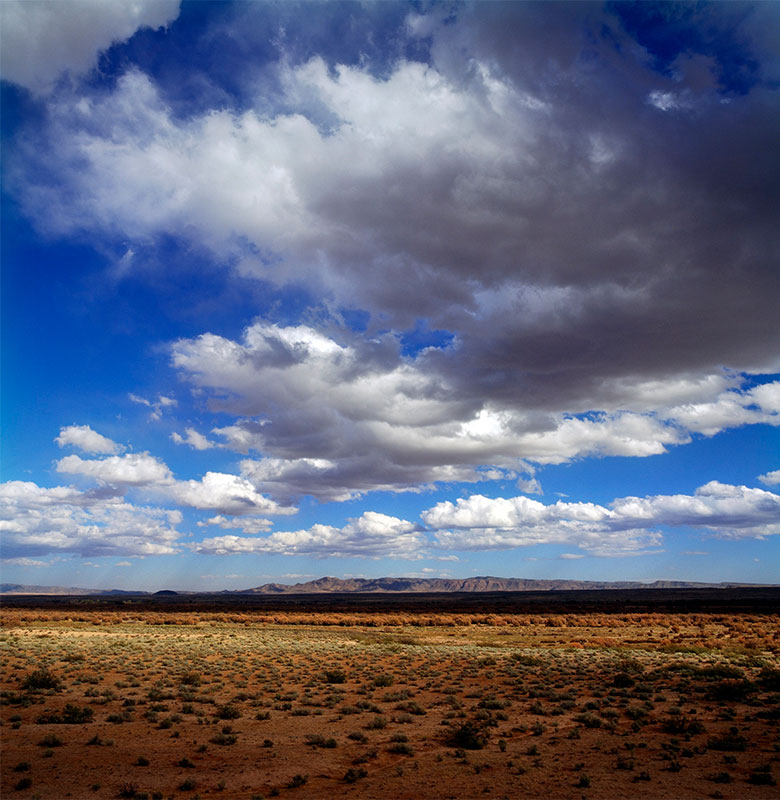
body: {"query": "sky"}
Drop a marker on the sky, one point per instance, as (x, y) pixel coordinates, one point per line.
(365, 289)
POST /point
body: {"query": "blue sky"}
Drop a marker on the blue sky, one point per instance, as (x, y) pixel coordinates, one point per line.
(437, 289)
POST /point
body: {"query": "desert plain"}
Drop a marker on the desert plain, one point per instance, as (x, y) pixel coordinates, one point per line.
(300, 699)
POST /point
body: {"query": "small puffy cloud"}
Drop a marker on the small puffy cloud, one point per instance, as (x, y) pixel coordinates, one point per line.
(373, 535)
(40, 40)
(770, 478)
(627, 526)
(228, 494)
(87, 440)
(35, 521)
(132, 469)
(21, 561)
(194, 439)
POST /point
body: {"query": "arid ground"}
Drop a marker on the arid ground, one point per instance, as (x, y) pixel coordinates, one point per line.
(107, 701)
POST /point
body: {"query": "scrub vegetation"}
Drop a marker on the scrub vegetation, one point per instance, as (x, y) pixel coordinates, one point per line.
(255, 704)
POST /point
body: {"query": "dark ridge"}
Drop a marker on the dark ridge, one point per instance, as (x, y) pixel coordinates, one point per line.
(751, 599)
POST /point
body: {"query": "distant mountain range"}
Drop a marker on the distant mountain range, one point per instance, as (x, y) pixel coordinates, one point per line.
(393, 586)
(21, 588)
(478, 584)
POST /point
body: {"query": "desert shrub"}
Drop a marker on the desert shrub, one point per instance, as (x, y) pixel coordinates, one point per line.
(384, 679)
(762, 778)
(730, 690)
(22, 766)
(50, 740)
(583, 782)
(297, 780)
(715, 671)
(469, 736)
(377, 723)
(720, 777)
(622, 680)
(636, 712)
(187, 785)
(225, 737)
(334, 676)
(228, 711)
(493, 703)
(316, 740)
(354, 775)
(770, 679)
(127, 790)
(588, 720)
(22, 784)
(358, 736)
(41, 679)
(401, 748)
(729, 742)
(678, 725)
(525, 660)
(411, 708)
(190, 679)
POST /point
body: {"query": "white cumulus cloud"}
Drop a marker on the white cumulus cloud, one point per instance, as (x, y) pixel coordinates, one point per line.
(372, 535)
(628, 525)
(131, 469)
(87, 440)
(35, 521)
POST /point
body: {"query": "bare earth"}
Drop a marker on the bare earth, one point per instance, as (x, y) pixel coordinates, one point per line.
(255, 704)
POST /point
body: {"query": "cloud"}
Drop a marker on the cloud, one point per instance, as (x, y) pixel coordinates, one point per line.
(250, 525)
(228, 494)
(336, 419)
(35, 521)
(627, 526)
(24, 562)
(593, 229)
(770, 478)
(194, 439)
(42, 40)
(132, 469)
(87, 440)
(532, 209)
(157, 405)
(372, 535)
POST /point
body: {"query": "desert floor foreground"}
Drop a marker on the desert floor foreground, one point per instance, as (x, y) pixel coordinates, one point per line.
(256, 704)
